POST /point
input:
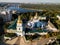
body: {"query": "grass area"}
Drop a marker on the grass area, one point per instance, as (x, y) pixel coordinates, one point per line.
(58, 22)
(6, 25)
(1, 39)
(32, 37)
(58, 39)
(55, 22)
(10, 35)
(58, 36)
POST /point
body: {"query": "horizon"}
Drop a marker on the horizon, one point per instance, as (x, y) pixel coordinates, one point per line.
(30, 1)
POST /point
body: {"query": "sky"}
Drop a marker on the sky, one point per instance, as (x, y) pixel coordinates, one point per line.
(32, 1)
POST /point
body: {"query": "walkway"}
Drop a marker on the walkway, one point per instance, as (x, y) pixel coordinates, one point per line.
(11, 42)
(51, 24)
(20, 41)
(16, 41)
(44, 41)
(51, 27)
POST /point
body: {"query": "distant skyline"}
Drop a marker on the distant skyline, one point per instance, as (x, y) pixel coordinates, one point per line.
(32, 1)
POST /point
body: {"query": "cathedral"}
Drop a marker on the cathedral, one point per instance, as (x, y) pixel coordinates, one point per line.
(35, 22)
(18, 27)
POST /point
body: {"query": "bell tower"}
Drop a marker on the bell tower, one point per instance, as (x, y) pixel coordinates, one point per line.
(19, 27)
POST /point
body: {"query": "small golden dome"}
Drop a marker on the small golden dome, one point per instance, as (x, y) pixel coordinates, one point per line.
(31, 17)
(36, 16)
(19, 19)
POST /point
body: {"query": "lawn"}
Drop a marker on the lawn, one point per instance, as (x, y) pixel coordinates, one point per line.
(10, 35)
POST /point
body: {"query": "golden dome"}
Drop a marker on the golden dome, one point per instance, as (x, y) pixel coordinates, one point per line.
(36, 16)
(19, 19)
(31, 17)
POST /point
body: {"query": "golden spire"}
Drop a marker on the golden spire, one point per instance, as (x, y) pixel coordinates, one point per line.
(31, 17)
(36, 16)
(19, 19)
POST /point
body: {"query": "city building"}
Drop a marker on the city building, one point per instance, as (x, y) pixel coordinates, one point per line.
(1, 26)
(35, 21)
(6, 15)
(58, 16)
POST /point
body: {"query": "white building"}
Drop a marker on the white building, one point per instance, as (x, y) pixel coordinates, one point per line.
(35, 21)
(58, 17)
(42, 18)
(6, 14)
(19, 27)
(16, 27)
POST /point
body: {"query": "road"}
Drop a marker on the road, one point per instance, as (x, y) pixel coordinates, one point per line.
(17, 41)
(20, 41)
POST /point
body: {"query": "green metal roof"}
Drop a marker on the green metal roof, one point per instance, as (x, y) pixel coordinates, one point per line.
(13, 25)
(34, 31)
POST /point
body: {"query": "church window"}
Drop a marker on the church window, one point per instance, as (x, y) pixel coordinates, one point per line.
(19, 28)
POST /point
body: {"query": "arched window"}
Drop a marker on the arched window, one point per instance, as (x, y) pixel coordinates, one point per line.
(19, 28)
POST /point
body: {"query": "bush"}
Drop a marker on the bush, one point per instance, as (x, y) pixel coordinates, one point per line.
(58, 37)
(10, 35)
(27, 37)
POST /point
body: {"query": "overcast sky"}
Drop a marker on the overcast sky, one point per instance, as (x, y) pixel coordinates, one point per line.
(32, 1)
